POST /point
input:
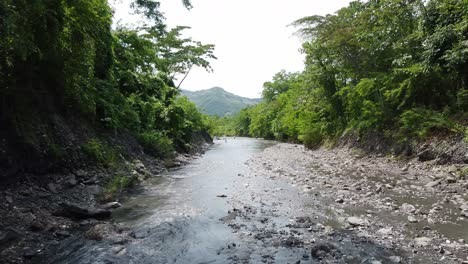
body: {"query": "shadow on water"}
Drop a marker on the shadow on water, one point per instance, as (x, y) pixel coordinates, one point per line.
(175, 218)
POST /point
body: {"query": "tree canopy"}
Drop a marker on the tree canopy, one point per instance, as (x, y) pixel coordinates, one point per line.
(395, 67)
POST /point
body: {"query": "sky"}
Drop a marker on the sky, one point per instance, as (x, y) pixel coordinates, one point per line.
(252, 38)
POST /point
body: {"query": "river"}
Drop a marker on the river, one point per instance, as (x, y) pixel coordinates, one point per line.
(233, 205)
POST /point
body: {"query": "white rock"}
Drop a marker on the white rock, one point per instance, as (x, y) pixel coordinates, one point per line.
(422, 241)
(354, 221)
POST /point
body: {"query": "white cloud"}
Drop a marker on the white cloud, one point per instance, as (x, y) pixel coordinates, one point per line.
(252, 39)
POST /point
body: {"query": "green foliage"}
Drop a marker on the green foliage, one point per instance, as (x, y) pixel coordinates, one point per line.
(419, 122)
(397, 67)
(117, 185)
(157, 144)
(100, 152)
(62, 56)
(466, 135)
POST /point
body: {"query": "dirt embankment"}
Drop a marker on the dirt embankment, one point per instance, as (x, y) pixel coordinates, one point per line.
(410, 206)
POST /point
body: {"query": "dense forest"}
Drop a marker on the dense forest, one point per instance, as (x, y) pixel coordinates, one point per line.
(64, 71)
(393, 68)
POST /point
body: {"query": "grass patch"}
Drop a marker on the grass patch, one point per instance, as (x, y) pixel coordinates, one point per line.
(100, 152)
(117, 185)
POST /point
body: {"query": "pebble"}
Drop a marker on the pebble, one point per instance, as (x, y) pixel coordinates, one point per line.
(422, 241)
(354, 221)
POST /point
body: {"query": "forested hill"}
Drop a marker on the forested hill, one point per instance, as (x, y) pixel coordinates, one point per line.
(217, 101)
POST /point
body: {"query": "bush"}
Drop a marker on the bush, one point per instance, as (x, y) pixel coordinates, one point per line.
(312, 137)
(157, 144)
(116, 185)
(100, 152)
(419, 122)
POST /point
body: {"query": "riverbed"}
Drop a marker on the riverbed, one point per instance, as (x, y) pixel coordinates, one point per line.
(258, 201)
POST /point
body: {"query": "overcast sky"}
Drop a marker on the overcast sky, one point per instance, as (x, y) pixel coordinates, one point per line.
(252, 38)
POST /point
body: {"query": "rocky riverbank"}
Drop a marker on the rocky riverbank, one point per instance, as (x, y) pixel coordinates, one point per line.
(39, 211)
(419, 209)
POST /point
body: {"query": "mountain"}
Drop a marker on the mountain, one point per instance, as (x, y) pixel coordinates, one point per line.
(217, 101)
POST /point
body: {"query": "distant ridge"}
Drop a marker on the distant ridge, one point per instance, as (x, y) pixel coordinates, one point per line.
(217, 101)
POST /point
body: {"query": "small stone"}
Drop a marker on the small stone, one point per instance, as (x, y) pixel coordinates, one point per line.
(71, 181)
(354, 221)
(385, 231)
(450, 180)
(80, 173)
(379, 189)
(29, 253)
(221, 196)
(111, 205)
(62, 233)
(339, 200)
(412, 219)
(407, 208)
(52, 188)
(395, 259)
(422, 241)
(9, 199)
(36, 226)
(433, 184)
(464, 213)
(464, 206)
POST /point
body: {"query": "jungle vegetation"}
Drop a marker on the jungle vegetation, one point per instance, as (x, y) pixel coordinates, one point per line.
(62, 57)
(398, 68)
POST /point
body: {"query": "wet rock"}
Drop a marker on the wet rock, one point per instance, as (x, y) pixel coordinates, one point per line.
(422, 241)
(111, 205)
(100, 231)
(355, 221)
(291, 242)
(320, 250)
(231, 216)
(79, 212)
